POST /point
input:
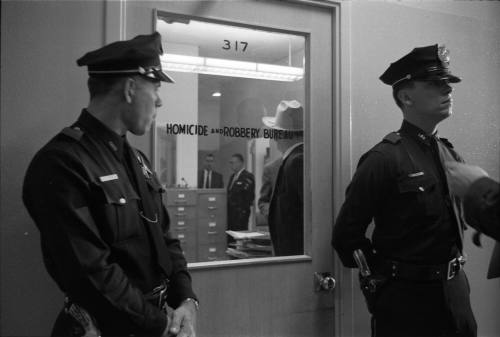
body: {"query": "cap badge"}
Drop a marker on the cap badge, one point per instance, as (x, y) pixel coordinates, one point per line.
(444, 56)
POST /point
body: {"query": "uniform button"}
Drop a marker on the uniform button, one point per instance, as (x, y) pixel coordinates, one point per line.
(122, 200)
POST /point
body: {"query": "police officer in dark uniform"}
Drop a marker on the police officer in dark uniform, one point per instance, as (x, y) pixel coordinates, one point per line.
(98, 206)
(240, 194)
(413, 279)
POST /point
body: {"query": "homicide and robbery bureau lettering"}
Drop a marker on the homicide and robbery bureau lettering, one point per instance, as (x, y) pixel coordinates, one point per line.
(226, 131)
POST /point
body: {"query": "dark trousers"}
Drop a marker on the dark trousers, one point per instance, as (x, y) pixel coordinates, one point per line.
(424, 309)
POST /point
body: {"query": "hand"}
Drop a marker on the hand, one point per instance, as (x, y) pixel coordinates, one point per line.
(461, 176)
(183, 320)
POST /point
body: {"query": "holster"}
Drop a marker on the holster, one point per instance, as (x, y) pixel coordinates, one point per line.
(371, 287)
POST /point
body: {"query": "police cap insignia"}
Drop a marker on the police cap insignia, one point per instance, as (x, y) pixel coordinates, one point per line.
(444, 56)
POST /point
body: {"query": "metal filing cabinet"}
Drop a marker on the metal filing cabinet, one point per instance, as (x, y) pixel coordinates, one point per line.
(212, 224)
(199, 220)
(181, 207)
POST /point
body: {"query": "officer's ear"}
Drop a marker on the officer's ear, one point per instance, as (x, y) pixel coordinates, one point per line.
(129, 88)
(405, 97)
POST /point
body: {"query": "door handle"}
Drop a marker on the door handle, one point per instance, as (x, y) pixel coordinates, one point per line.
(324, 282)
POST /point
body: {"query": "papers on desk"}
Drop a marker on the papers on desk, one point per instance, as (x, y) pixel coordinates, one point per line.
(249, 244)
(241, 235)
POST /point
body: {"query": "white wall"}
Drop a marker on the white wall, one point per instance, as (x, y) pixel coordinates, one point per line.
(42, 91)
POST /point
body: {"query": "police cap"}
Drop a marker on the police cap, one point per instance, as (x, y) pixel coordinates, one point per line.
(423, 63)
(140, 55)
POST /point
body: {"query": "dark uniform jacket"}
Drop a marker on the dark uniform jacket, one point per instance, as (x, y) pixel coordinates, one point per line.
(240, 196)
(215, 180)
(96, 244)
(401, 185)
(286, 210)
(482, 211)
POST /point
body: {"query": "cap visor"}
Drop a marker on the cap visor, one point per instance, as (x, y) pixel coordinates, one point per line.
(453, 78)
(162, 76)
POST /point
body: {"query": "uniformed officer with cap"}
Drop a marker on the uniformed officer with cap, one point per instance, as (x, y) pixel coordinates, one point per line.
(98, 206)
(413, 281)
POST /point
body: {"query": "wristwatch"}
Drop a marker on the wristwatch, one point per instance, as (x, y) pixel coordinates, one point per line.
(196, 303)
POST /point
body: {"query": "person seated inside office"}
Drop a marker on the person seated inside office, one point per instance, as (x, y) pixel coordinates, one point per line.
(207, 177)
(240, 194)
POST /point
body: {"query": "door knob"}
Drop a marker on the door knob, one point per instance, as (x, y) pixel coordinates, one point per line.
(324, 282)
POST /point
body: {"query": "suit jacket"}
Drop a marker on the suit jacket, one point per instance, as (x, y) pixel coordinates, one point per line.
(215, 181)
(482, 211)
(241, 192)
(268, 180)
(240, 196)
(286, 210)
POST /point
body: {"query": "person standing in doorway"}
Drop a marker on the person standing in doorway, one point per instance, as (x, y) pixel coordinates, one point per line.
(286, 208)
(240, 194)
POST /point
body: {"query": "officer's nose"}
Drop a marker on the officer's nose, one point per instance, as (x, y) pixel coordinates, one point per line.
(158, 102)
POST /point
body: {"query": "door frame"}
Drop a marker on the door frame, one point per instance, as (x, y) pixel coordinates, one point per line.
(115, 29)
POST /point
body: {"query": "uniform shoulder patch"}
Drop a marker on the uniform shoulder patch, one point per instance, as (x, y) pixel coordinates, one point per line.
(446, 142)
(393, 138)
(76, 133)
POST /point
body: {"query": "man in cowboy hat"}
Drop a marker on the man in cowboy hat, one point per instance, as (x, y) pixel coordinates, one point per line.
(98, 206)
(286, 209)
(413, 278)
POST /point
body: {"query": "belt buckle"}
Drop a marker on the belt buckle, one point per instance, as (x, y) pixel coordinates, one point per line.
(451, 269)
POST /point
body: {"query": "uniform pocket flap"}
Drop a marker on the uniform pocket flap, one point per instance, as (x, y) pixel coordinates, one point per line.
(416, 183)
(118, 194)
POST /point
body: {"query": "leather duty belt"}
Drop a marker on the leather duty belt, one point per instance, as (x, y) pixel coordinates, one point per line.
(414, 272)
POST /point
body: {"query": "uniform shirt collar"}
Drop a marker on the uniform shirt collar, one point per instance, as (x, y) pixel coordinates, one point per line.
(417, 133)
(94, 126)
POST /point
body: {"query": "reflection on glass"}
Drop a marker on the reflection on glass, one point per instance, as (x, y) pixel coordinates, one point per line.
(226, 171)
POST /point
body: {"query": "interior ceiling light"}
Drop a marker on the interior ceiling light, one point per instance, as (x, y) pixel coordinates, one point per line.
(223, 67)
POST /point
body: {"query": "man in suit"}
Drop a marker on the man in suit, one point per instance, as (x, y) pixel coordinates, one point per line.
(207, 177)
(240, 194)
(286, 209)
(266, 190)
(416, 285)
(98, 205)
(481, 197)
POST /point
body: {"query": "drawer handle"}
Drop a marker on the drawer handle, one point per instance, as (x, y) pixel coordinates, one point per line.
(211, 232)
(212, 258)
(212, 207)
(180, 214)
(179, 201)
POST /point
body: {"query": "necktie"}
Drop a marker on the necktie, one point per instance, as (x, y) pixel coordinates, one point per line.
(148, 212)
(444, 156)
